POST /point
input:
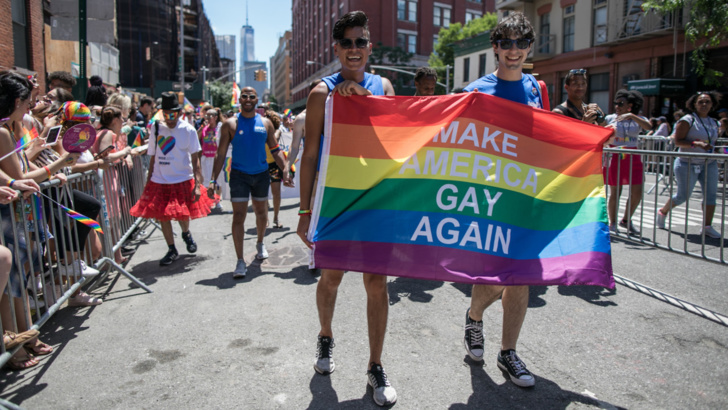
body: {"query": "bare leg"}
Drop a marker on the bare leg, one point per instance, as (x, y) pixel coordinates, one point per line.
(482, 297)
(668, 207)
(515, 304)
(185, 225)
(167, 232)
(326, 291)
(240, 210)
(261, 218)
(614, 192)
(635, 196)
(377, 311)
(708, 215)
(275, 188)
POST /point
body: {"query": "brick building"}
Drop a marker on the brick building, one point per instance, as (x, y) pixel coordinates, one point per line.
(21, 37)
(412, 25)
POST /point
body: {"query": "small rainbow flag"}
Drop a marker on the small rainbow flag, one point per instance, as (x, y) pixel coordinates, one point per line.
(287, 112)
(82, 219)
(158, 116)
(236, 94)
(188, 105)
(27, 137)
(138, 141)
(227, 168)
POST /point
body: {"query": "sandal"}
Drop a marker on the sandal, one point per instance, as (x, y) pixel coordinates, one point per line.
(12, 339)
(21, 361)
(38, 348)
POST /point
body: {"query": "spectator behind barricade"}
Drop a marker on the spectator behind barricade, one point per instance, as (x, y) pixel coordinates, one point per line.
(575, 107)
(677, 115)
(653, 126)
(202, 121)
(625, 169)
(209, 136)
(15, 102)
(425, 81)
(74, 266)
(106, 146)
(275, 172)
(145, 111)
(61, 79)
(723, 122)
(96, 94)
(696, 132)
(663, 127)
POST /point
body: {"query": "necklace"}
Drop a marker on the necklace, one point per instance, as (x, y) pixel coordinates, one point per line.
(708, 130)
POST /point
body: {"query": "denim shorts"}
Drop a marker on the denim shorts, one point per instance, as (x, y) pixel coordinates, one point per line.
(244, 185)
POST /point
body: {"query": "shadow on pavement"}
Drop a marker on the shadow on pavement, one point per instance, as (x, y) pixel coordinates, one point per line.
(324, 396)
(489, 394)
(591, 294)
(412, 289)
(300, 275)
(148, 272)
(534, 296)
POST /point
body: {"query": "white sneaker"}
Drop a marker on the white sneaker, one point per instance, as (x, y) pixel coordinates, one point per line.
(218, 206)
(711, 232)
(382, 391)
(262, 252)
(78, 267)
(660, 220)
(240, 269)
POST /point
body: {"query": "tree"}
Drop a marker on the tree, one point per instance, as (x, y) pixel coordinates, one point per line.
(705, 28)
(444, 55)
(221, 94)
(389, 55)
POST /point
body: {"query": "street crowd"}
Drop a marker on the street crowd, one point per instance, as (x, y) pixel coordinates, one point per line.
(197, 159)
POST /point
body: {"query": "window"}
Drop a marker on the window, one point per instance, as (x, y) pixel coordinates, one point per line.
(407, 10)
(481, 65)
(407, 41)
(401, 9)
(402, 41)
(599, 90)
(20, 33)
(472, 15)
(466, 69)
(411, 44)
(544, 46)
(412, 10)
(441, 16)
(600, 22)
(569, 20)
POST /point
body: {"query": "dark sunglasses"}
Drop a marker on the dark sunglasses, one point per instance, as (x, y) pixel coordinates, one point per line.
(248, 96)
(581, 71)
(619, 103)
(347, 43)
(521, 43)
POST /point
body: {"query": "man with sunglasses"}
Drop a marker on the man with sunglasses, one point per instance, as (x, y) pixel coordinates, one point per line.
(353, 48)
(575, 85)
(248, 133)
(511, 39)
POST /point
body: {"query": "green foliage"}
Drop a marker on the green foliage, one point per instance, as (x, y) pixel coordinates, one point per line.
(705, 28)
(444, 54)
(389, 55)
(220, 94)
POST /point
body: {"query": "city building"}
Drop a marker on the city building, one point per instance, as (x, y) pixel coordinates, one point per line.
(149, 37)
(412, 25)
(474, 58)
(249, 66)
(280, 72)
(620, 45)
(22, 38)
(228, 56)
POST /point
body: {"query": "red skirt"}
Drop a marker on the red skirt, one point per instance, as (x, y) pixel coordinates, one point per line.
(631, 170)
(172, 202)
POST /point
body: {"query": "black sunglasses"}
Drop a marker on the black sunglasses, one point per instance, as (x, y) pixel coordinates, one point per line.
(347, 43)
(619, 103)
(578, 71)
(248, 97)
(521, 43)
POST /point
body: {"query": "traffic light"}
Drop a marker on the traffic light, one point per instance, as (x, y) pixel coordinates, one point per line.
(261, 75)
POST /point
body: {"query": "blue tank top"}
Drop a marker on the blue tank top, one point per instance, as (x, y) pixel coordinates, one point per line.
(526, 91)
(372, 82)
(249, 145)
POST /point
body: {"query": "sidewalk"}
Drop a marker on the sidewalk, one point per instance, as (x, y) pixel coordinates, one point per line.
(204, 340)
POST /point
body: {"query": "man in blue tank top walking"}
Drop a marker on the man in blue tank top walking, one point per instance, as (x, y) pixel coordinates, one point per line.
(248, 133)
(352, 46)
(511, 39)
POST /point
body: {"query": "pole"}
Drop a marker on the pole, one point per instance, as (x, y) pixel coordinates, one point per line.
(82, 39)
(204, 83)
(447, 79)
(182, 48)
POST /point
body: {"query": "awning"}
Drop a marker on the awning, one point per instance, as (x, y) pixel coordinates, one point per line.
(658, 86)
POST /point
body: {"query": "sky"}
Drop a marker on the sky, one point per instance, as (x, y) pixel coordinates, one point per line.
(269, 18)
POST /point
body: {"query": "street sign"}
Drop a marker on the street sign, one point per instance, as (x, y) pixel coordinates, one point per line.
(178, 86)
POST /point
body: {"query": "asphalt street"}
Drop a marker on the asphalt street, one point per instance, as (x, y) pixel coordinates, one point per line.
(204, 340)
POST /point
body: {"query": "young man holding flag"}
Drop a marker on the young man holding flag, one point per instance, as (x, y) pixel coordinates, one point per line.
(353, 47)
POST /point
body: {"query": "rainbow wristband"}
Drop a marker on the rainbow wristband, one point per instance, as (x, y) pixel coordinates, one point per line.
(11, 182)
(304, 212)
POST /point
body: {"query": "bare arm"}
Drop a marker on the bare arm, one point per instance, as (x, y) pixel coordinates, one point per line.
(387, 86)
(298, 128)
(272, 142)
(226, 136)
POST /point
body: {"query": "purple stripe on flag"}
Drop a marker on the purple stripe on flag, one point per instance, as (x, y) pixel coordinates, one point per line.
(454, 265)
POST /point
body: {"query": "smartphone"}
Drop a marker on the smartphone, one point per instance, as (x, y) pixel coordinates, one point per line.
(104, 152)
(52, 137)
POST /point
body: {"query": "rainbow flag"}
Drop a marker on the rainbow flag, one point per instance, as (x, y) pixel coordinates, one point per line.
(226, 169)
(27, 137)
(82, 219)
(472, 189)
(188, 106)
(158, 116)
(236, 95)
(287, 112)
(138, 141)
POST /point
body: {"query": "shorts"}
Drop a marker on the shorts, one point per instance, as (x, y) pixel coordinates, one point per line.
(244, 185)
(276, 175)
(624, 169)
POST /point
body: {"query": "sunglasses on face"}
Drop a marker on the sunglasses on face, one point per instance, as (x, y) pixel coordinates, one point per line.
(521, 43)
(347, 43)
(248, 97)
(703, 102)
(619, 103)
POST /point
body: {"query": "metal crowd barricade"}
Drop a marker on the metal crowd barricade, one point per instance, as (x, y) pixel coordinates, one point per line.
(44, 243)
(683, 223)
(655, 164)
